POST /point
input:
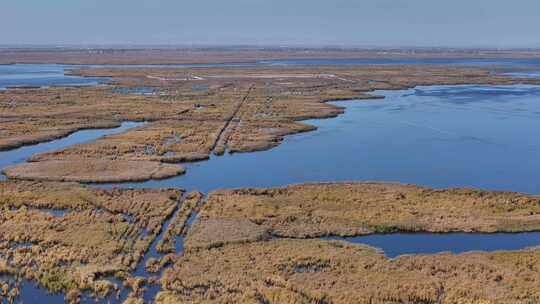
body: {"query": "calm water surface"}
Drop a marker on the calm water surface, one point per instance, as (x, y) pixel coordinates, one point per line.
(439, 136)
(42, 75)
(398, 244)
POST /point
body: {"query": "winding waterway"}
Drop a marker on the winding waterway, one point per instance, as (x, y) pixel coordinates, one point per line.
(19, 155)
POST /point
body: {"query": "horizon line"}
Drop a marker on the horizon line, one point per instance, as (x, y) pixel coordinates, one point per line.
(335, 47)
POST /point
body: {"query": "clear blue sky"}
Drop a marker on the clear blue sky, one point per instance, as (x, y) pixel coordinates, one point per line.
(495, 23)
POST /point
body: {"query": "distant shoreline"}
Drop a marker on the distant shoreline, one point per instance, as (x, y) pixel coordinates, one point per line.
(204, 55)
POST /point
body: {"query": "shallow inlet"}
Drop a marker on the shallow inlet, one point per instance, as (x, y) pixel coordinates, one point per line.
(43, 75)
(397, 244)
(19, 155)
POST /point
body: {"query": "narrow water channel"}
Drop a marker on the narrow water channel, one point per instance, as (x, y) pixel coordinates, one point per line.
(19, 155)
(32, 293)
(152, 289)
(397, 244)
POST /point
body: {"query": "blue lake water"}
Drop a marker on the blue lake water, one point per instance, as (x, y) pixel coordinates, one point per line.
(34, 294)
(397, 244)
(42, 75)
(439, 136)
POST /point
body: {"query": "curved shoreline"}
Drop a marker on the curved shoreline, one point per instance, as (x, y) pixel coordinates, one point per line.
(317, 210)
(21, 154)
(261, 124)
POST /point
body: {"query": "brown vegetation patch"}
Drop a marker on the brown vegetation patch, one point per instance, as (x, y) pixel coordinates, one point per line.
(102, 232)
(214, 232)
(165, 141)
(314, 271)
(346, 209)
(93, 171)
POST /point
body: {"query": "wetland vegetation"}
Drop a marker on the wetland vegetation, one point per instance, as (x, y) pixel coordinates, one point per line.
(194, 243)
